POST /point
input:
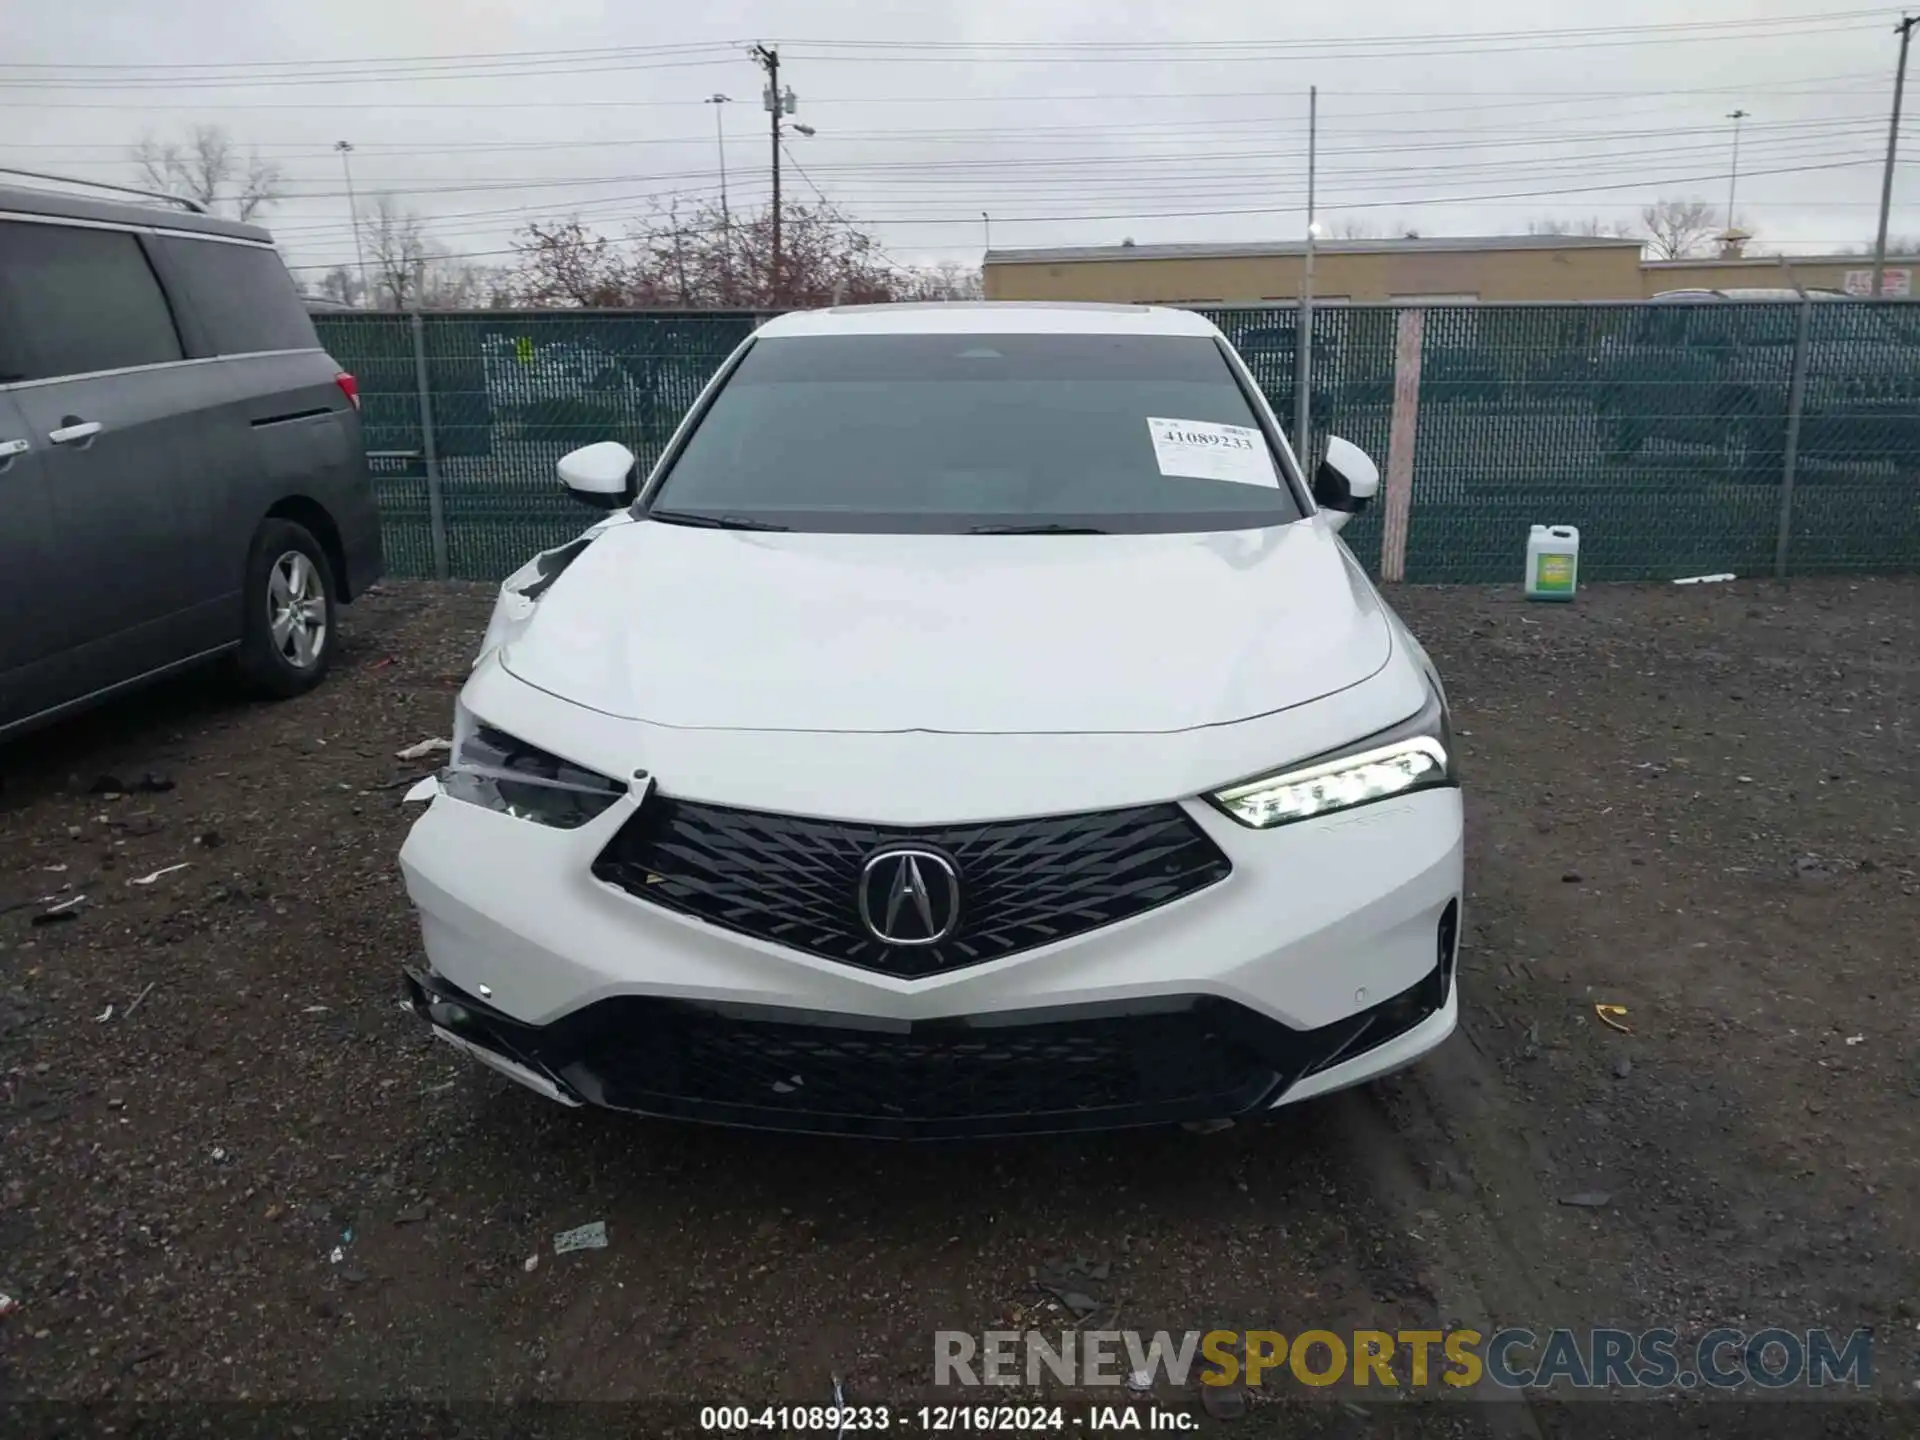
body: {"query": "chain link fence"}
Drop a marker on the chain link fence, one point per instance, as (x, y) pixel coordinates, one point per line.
(1681, 438)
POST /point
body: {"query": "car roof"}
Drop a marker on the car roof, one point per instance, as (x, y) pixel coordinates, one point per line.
(58, 205)
(1666, 296)
(990, 317)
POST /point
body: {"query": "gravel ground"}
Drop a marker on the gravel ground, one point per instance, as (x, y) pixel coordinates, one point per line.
(1697, 803)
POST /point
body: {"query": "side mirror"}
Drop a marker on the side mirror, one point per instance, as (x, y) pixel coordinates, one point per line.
(1345, 481)
(602, 475)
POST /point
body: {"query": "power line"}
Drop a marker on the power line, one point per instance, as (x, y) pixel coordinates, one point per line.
(1004, 168)
(1435, 137)
(581, 60)
(1281, 52)
(1276, 53)
(1753, 23)
(1052, 97)
(483, 56)
(1403, 202)
(1198, 177)
(317, 229)
(354, 78)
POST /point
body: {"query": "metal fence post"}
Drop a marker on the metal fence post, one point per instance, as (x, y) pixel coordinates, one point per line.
(1409, 333)
(1796, 402)
(436, 505)
(1303, 384)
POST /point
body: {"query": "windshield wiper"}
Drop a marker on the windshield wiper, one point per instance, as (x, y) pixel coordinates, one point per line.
(1035, 530)
(713, 522)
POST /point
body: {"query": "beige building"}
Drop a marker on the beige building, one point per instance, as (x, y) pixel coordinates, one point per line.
(1850, 274)
(1436, 270)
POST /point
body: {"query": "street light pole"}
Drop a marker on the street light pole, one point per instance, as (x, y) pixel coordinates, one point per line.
(1893, 143)
(986, 229)
(718, 100)
(720, 147)
(1733, 175)
(1303, 354)
(345, 147)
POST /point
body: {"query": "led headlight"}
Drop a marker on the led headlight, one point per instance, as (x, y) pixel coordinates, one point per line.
(491, 768)
(1416, 754)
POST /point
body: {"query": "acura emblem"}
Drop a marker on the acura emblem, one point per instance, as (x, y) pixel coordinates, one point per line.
(909, 896)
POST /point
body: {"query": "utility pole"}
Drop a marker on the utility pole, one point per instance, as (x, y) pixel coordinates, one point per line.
(986, 229)
(1733, 175)
(1905, 27)
(345, 147)
(1303, 355)
(776, 105)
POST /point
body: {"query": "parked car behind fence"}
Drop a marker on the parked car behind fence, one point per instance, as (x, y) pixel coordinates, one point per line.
(1715, 369)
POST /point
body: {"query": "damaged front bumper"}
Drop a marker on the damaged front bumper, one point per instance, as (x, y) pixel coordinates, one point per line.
(478, 1030)
(1161, 1060)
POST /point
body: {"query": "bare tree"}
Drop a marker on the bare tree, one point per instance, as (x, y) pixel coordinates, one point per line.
(949, 280)
(449, 284)
(205, 168)
(1353, 228)
(397, 252)
(824, 259)
(1593, 225)
(1677, 229)
(565, 263)
(696, 258)
(341, 286)
(1902, 245)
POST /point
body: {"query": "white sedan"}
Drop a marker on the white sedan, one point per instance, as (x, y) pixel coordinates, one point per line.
(974, 724)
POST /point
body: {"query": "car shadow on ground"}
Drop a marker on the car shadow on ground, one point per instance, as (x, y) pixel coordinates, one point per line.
(141, 729)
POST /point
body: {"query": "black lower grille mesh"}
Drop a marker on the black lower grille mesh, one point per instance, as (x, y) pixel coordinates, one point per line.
(1201, 1059)
(795, 881)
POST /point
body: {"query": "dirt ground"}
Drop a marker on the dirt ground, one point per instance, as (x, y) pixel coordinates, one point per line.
(1696, 803)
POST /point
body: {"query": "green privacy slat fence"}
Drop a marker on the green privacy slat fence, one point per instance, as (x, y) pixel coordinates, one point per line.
(1661, 430)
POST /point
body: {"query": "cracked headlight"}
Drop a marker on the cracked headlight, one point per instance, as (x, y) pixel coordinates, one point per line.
(492, 769)
(1416, 754)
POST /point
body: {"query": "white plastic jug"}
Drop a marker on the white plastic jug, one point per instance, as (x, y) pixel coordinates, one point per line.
(1553, 562)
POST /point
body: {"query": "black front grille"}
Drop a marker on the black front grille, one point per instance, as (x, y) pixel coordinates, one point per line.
(1099, 1066)
(1198, 1058)
(795, 881)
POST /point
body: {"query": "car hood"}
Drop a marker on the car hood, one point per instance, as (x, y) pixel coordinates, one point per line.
(718, 629)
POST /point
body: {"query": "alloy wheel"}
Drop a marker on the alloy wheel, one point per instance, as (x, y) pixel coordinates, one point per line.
(297, 610)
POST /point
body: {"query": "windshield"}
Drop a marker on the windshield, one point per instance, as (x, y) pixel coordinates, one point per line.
(979, 433)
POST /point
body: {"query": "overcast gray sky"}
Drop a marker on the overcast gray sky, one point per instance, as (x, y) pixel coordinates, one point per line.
(1068, 122)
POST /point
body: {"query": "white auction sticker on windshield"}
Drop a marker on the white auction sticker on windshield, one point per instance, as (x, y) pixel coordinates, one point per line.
(1203, 450)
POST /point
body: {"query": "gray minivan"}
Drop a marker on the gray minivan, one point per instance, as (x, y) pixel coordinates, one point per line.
(181, 470)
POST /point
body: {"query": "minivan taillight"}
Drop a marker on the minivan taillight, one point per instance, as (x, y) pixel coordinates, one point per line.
(349, 387)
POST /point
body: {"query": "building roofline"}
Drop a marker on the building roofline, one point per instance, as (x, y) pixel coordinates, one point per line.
(1259, 250)
(1771, 262)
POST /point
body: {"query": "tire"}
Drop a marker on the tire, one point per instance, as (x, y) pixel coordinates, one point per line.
(288, 635)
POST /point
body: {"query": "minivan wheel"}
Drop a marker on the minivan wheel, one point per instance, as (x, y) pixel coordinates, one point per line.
(287, 642)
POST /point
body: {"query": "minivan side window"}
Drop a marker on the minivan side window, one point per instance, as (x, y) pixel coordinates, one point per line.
(76, 300)
(241, 296)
